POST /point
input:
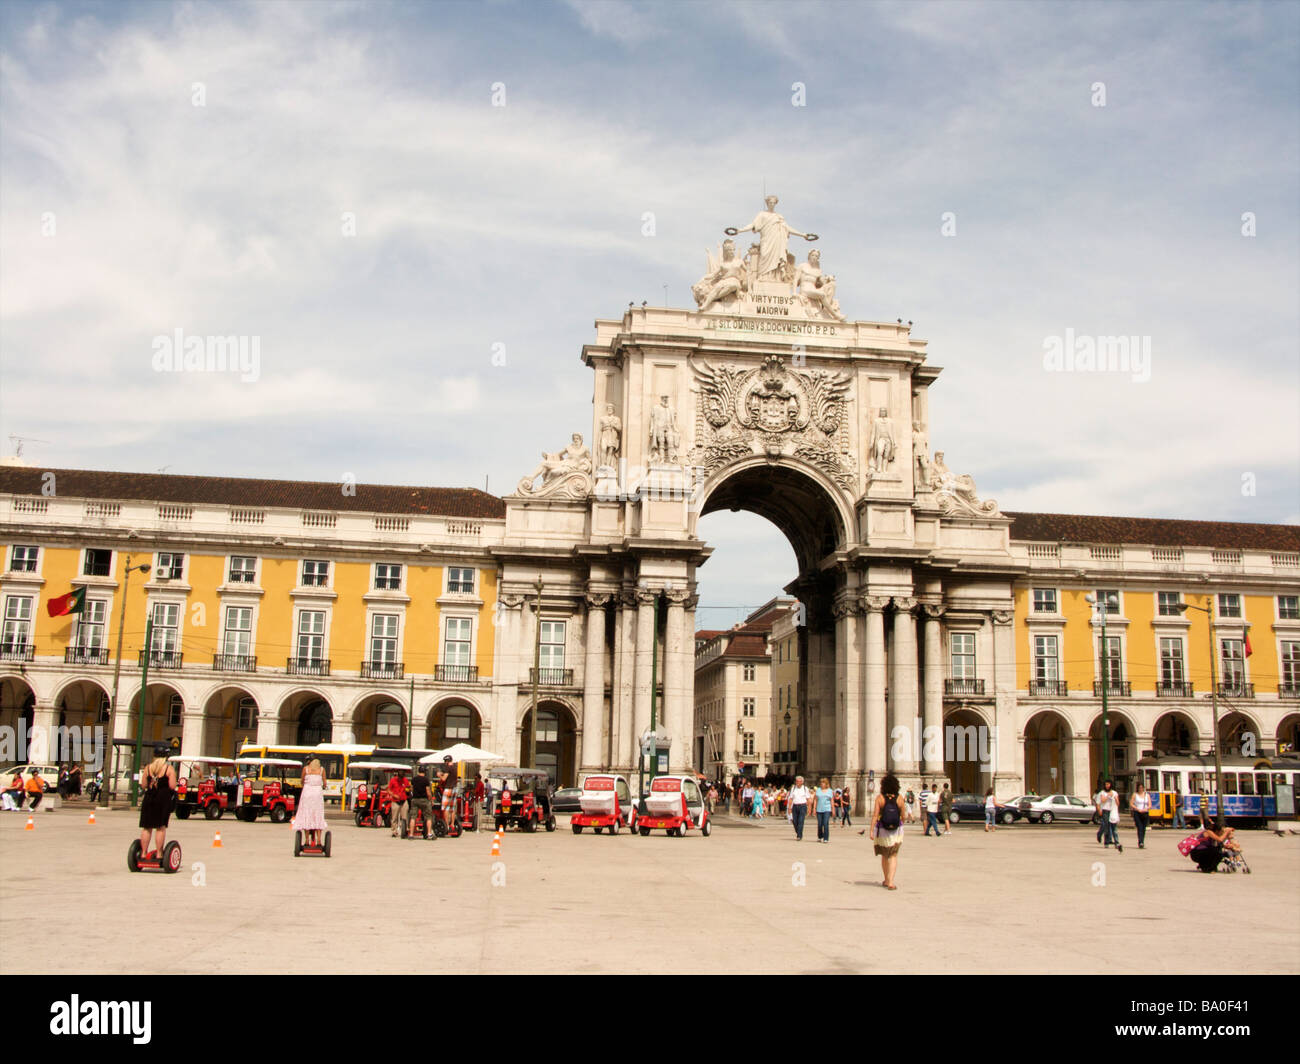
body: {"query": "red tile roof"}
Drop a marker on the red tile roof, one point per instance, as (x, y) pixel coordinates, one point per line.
(241, 491)
(1153, 532)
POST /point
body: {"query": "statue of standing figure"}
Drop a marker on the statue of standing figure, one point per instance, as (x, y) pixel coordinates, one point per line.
(882, 447)
(664, 438)
(611, 429)
(775, 263)
(921, 452)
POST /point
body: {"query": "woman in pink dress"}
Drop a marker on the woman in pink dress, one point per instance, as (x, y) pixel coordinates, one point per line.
(310, 816)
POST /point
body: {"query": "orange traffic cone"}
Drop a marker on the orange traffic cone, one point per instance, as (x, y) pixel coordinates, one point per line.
(216, 842)
(31, 825)
(496, 844)
(92, 819)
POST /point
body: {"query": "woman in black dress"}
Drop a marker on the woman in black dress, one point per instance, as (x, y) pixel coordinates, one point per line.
(159, 783)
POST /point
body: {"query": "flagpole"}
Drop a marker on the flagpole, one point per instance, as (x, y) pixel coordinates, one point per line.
(106, 791)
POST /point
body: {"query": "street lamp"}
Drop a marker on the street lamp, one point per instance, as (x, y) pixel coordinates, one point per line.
(106, 791)
(1104, 607)
(1183, 607)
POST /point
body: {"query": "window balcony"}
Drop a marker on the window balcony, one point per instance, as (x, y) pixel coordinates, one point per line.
(1174, 689)
(162, 659)
(1235, 689)
(551, 677)
(308, 667)
(17, 651)
(234, 662)
(382, 670)
(1047, 688)
(455, 673)
(1114, 689)
(85, 656)
(1288, 690)
(963, 687)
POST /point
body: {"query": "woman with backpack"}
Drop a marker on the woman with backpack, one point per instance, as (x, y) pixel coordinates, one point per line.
(887, 828)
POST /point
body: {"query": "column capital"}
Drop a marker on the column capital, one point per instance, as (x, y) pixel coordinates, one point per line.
(904, 603)
(874, 603)
(598, 600)
(677, 596)
(932, 612)
(691, 601)
(846, 607)
(645, 596)
(1002, 616)
(511, 601)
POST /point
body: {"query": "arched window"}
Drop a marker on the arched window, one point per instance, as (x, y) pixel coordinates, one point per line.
(175, 707)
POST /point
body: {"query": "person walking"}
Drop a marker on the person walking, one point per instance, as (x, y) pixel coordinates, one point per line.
(1108, 807)
(1179, 821)
(1101, 817)
(398, 809)
(747, 799)
(421, 798)
(990, 811)
(932, 812)
(799, 796)
(887, 829)
(824, 797)
(846, 807)
(159, 782)
(309, 817)
(1140, 806)
(945, 810)
(911, 804)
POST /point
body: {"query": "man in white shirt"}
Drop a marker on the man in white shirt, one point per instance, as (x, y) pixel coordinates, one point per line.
(932, 813)
(798, 803)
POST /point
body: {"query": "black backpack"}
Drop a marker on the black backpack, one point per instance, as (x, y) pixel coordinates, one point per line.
(889, 818)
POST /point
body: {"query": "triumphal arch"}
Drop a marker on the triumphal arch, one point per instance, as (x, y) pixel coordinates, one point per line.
(763, 397)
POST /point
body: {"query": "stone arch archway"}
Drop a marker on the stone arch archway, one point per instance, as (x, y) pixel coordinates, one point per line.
(1049, 744)
(229, 720)
(1175, 733)
(18, 712)
(1121, 759)
(453, 720)
(1240, 734)
(164, 714)
(306, 718)
(380, 718)
(1288, 734)
(81, 706)
(556, 741)
(968, 750)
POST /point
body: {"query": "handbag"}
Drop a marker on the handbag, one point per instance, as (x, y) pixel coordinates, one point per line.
(1189, 844)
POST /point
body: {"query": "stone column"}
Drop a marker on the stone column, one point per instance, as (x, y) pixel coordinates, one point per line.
(341, 730)
(688, 677)
(933, 703)
(645, 649)
(1003, 742)
(192, 733)
(848, 675)
(621, 742)
(43, 739)
(1077, 764)
(903, 683)
(875, 727)
(505, 708)
(593, 683)
(268, 726)
(677, 720)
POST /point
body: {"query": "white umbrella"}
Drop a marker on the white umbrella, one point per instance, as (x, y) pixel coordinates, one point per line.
(461, 752)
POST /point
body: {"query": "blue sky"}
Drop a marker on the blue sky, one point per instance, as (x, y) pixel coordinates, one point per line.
(519, 225)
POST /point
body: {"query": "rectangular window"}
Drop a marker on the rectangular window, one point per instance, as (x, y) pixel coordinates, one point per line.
(98, 563)
(315, 574)
(247, 714)
(1047, 660)
(456, 646)
(1233, 669)
(383, 639)
(388, 577)
(747, 747)
(460, 581)
(1112, 660)
(552, 656)
(1229, 605)
(23, 559)
(1109, 599)
(1044, 600)
(170, 567)
(90, 625)
(747, 707)
(243, 569)
(175, 707)
(748, 671)
(18, 622)
(239, 631)
(1288, 606)
(311, 636)
(166, 628)
(1291, 664)
(1167, 603)
(388, 721)
(963, 655)
(1171, 662)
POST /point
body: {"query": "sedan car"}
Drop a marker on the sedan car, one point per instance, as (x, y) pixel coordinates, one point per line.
(971, 807)
(1056, 807)
(567, 800)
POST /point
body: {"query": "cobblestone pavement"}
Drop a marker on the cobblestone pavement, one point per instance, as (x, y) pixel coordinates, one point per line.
(1024, 899)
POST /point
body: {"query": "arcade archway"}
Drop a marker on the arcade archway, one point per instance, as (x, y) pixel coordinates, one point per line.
(1048, 742)
(556, 742)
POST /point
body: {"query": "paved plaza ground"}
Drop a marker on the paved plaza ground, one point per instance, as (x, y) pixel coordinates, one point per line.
(1020, 900)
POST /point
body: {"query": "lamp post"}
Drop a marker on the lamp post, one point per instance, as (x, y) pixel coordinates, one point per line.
(106, 791)
(1183, 607)
(1104, 607)
(537, 674)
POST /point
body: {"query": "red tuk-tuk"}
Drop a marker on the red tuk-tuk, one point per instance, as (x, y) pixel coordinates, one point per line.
(267, 786)
(205, 794)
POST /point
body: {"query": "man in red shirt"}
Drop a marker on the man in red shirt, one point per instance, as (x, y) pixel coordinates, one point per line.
(398, 810)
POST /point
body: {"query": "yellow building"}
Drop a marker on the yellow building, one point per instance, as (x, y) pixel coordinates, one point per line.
(280, 611)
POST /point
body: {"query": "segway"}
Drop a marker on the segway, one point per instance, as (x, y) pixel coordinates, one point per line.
(310, 849)
(168, 861)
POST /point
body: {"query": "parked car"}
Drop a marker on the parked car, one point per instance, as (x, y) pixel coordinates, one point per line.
(1056, 807)
(567, 800)
(49, 775)
(971, 807)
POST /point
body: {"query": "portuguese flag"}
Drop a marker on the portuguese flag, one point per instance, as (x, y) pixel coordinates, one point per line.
(72, 602)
